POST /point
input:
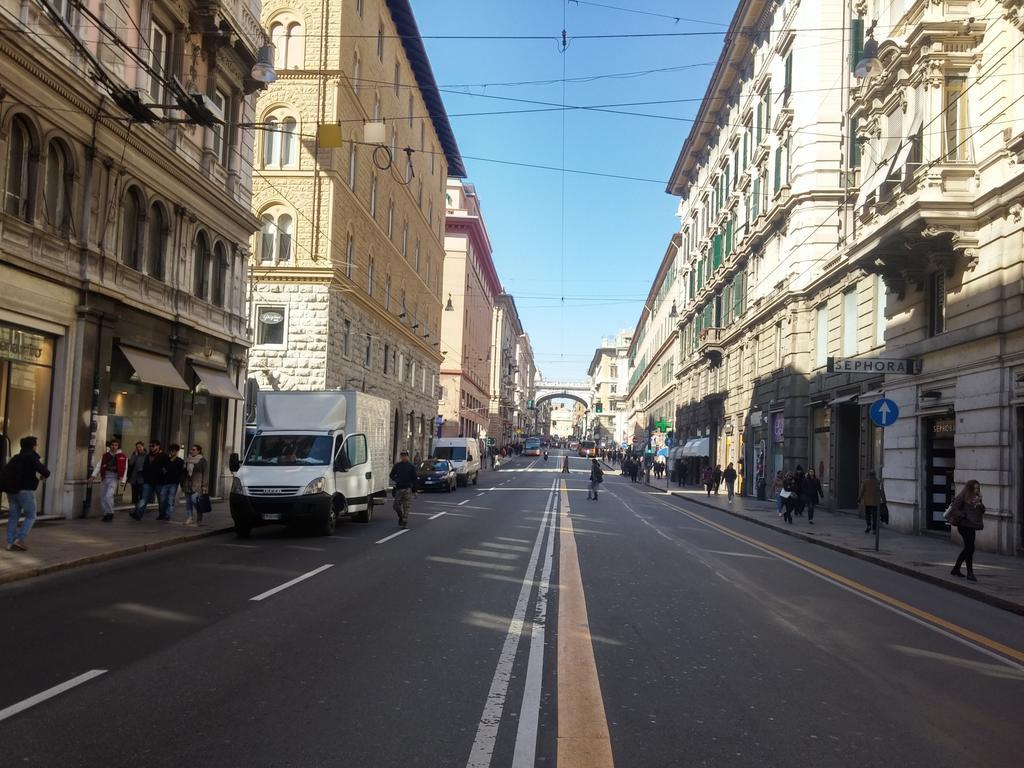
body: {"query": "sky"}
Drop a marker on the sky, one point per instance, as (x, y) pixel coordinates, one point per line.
(579, 271)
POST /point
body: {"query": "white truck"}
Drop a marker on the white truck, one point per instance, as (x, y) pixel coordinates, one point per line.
(466, 453)
(315, 457)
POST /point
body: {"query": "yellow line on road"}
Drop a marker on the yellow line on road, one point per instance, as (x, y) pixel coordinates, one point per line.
(893, 602)
(583, 739)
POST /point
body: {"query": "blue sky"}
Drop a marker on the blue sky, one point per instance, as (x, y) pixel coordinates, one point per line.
(615, 230)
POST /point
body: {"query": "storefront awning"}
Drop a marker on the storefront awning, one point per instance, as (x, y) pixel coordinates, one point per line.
(217, 383)
(845, 398)
(698, 446)
(154, 369)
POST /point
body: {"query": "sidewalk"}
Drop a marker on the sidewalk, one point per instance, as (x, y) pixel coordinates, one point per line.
(55, 545)
(929, 558)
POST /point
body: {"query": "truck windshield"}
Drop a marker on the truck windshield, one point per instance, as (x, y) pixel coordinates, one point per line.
(450, 452)
(289, 450)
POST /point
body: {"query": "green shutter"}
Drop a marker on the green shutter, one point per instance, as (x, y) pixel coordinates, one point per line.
(768, 109)
(700, 272)
(746, 148)
(789, 76)
(854, 144)
(737, 293)
(716, 243)
(693, 283)
(728, 236)
(758, 124)
(856, 42)
(756, 202)
(778, 168)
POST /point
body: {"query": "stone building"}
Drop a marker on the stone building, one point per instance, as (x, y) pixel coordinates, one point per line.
(939, 219)
(347, 272)
(125, 229)
(760, 177)
(471, 285)
(652, 355)
(609, 377)
(506, 403)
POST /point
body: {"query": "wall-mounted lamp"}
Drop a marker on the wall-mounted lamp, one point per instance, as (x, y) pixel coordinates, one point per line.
(401, 314)
(415, 326)
(674, 312)
(869, 65)
(449, 307)
(263, 70)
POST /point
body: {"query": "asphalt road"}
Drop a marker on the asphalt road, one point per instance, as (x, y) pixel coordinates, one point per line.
(523, 626)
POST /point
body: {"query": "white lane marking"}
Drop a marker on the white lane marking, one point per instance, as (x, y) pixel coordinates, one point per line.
(393, 535)
(292, 583)
(481, 494)
(525, 752)
(738, 554)
(434, 517)
(487, 730)
(49, 693)
(462, 502)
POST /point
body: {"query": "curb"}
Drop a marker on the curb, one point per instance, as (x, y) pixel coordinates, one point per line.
(103, 556)
(952, 586)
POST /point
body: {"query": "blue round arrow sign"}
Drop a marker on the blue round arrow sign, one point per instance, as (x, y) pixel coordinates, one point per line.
(884, 412)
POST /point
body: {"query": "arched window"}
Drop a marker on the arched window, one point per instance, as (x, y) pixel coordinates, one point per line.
(284, 238)
(58, 188)
(278, 40)
(271, 142)
(296, 46)
(156, 241)
(289, 147)
(21, 169)
(220, 268)
(131, 228)
(201, 266)
(356, 71)
(267, 239)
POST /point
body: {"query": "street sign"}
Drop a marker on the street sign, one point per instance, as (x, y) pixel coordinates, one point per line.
(873, 365)
(663, 425)
(884, 412)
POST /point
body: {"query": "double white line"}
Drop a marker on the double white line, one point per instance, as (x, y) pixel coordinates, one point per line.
(526, 737)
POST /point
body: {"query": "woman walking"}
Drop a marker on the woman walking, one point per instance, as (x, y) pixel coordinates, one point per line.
(194, 484)
(788, 495)
(730, 481)
(870, 495)
(778, 486)
(810, 494)
(136, 463)
(967, 513)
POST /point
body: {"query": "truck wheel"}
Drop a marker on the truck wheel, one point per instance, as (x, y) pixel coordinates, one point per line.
(366, 515)
(243, 531)
(328, 525)
(476, 476)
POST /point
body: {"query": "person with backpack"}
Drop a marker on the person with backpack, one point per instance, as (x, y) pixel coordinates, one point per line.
(596, 478)
(152, 478)
(20, 481)
(111, 469)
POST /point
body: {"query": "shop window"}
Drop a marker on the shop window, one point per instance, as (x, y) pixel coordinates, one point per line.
(131, 228)
(58, 186)
(271, 323)
(21, 170)
(936, 303)
(156, 241)
(220, 268)
(201, 266)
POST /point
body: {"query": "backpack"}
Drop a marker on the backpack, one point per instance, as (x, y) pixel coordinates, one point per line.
(598, 475)
(12, 475)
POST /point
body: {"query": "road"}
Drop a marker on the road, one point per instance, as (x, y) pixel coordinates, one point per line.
(514, 623)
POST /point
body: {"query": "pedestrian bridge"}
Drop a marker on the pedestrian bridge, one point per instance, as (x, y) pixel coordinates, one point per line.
(580, 391)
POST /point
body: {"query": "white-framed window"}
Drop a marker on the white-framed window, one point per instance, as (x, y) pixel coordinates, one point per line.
(956, 119)
(63, 8)
(159, 62)
(276, 238)
(271, 325)
(280, 145)
(850, 322)
(57, 186)
(289, 43)
(221, 129)
(821, 336)
(21, 170)
(201, 258)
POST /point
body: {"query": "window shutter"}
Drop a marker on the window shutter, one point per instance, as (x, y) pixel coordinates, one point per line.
(778, 168)
(856, 42)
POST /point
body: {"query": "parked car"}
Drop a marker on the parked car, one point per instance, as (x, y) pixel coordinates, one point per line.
(436, 474)
(464, 452)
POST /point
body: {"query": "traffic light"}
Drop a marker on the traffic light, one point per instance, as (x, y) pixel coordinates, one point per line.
(599, 407)
(529, 404)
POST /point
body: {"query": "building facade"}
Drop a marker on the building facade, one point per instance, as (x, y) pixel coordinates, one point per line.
(609, 377)
(125, 228)
(938, 220)
(506, 329)
(347, 271)
(471, 285)
(652, 356)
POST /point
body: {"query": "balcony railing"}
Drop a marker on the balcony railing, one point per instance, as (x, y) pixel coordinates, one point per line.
(709, 344)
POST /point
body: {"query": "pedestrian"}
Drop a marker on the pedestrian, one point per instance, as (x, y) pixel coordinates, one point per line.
(870, 495)
(967, 513)
(777, 487)
(174, 477)
(194, 484)
(596, 478)
(798, 489)
(565, 463)
(152, 477)
(135, 464)
(788, 495)
(716, 477)
(20, 480)
(403, 475)
(706, 478)
(729, 475)
(634, 469)
(110, 470)
(810, 494)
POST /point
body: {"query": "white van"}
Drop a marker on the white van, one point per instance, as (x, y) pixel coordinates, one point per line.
(464, 452)
(314, 457)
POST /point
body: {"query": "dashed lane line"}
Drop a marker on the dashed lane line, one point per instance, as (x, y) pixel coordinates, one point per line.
(49, 693)
(292, 583)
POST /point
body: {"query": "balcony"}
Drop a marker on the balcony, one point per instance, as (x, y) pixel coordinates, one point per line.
(709, 344)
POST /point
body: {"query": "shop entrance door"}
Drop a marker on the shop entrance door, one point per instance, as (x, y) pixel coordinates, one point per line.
(940, 464)
(847, 455)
